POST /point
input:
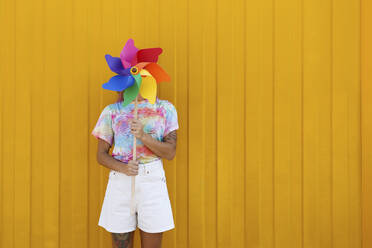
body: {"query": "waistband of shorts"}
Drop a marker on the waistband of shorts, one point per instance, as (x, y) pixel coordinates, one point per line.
(144, 168)
(148, 168)
(155, 163)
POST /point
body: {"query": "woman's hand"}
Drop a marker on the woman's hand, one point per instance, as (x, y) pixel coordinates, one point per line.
(136, 128)
(105, 159)
(132, 168)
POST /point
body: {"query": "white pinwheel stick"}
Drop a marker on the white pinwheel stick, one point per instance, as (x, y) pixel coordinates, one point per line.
(132, 202)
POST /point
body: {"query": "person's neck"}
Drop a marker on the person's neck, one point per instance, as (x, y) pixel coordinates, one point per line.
(139, 100)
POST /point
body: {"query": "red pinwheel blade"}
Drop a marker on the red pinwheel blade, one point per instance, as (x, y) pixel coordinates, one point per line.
(157, 72)
(148, 55)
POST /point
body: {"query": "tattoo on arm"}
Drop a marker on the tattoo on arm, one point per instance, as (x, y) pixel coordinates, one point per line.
(121, 240)
(171, 137)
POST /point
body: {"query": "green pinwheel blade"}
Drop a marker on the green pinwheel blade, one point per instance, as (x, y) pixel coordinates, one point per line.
(132, 92)
(138, 80)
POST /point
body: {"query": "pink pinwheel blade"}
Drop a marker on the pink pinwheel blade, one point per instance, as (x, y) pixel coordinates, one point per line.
(142, 65)
(128, 53)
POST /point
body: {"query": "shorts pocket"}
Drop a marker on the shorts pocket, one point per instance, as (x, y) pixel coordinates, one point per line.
(157, 179)
(115, 174)
(120, 181)
(154, 174)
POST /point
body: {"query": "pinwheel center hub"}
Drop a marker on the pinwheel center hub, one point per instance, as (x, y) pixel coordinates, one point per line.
(134, 70)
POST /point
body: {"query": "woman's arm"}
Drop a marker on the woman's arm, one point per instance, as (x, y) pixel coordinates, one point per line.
(105, 159)
(164, 149)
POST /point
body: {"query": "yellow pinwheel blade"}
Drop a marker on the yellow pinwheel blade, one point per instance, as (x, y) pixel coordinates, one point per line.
(148, 86)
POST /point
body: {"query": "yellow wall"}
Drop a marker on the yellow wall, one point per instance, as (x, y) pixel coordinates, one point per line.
(366, 103)
(268, 96)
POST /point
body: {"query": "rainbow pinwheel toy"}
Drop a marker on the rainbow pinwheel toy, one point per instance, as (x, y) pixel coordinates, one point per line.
(138, 72)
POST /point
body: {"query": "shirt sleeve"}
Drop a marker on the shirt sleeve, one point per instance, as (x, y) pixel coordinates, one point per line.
(171, 119)
(103, 128)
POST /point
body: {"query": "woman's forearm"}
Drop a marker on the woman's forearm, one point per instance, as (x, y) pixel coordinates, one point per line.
(109, 162)
(161, 149)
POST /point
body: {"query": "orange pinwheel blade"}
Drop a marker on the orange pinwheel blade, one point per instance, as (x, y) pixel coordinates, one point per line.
(157, 72)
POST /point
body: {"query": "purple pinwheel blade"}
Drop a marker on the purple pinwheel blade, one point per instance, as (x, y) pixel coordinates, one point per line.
(118, 83)
(116, 66)
(128, 53)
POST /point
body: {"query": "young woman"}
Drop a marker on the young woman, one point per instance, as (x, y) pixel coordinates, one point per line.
(155, 130)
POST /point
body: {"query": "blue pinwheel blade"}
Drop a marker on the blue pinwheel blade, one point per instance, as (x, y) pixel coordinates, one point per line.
(116, 66)
(118, 83)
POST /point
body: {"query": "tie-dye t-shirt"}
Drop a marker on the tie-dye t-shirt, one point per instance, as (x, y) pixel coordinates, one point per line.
(158, 120)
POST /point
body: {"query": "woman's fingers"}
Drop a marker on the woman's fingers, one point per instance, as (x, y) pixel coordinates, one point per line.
(133, 172)
(135, 123)
(133, 167)
(136, 127)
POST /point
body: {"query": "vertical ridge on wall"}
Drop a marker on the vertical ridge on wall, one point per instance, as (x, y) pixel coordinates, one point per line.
(259, 124)
(196, 124)
(52, 123)
(225, 95)
(8, 141)
(37, 81)
(109, 44)
(22, 133)
(346, 129)
(102, 40)
(2, 71)
(251, 92)
(366, 125)
(68, 90)
(73, 108)
(287, 124)
(236, 102)
(169, 91)
(80, 199)
(95, 64)
(332, 164)
(181, 212)
(317, 124)
(208, 79)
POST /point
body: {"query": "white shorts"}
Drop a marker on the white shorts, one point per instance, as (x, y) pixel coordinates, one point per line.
(153, 208)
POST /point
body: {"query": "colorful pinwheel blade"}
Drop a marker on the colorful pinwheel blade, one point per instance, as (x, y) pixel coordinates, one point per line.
(128, 53)
(142, 65)
(157, 72)
(138, 80)
(119, 83)
(148, 55)
(130, 94)
(148, 88)
(116, 66)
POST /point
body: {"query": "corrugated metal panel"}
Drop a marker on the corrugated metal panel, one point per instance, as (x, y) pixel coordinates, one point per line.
(366, 62)
(268, 98)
